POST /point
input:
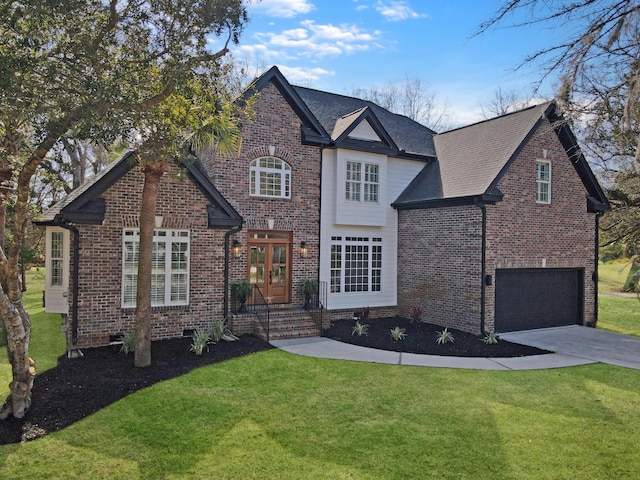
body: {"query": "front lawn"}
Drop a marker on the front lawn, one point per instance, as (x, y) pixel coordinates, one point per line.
(281, 416)
(274, 415)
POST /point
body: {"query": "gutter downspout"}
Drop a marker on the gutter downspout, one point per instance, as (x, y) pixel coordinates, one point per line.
(483, 273)
(74, 278)
(595, 269)
(228, 234)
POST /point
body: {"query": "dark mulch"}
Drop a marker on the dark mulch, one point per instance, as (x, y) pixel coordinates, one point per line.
(421, 338)
(78, 387)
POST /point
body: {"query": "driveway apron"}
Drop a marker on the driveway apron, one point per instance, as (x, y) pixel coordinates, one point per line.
(583, 342)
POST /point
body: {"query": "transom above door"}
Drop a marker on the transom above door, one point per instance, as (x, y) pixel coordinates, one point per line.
(269, 264)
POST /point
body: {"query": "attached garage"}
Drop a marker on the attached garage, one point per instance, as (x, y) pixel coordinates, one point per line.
(538, 298)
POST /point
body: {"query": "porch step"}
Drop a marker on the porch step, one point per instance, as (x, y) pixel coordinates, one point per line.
(287, 324)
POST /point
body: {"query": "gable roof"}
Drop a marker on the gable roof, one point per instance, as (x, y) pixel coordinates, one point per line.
(410, 138)
(345, 125)
(85, 206)
(312, 130)
(472, 160)
(327, 118)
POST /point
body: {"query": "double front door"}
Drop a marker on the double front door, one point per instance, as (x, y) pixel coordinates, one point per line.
(269, 264)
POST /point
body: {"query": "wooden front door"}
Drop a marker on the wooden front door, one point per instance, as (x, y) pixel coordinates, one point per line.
(269, 265)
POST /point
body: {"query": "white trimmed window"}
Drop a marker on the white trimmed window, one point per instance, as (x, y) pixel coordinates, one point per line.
(543, 181)
(270, 177)
(57, 259)
(362, 182)
(169, 267)
(356, 264)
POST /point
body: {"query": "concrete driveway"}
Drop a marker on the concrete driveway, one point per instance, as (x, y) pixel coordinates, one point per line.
(583, 342)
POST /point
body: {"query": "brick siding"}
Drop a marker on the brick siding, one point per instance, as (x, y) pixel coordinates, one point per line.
(182, 206)
(439, 260)
(273, 124)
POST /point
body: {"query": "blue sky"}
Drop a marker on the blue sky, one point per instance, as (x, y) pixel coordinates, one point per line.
(338, 45)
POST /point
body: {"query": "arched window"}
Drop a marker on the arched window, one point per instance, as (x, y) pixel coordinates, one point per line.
(270, 177)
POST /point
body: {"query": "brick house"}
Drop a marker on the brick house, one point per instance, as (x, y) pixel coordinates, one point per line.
(381, 211)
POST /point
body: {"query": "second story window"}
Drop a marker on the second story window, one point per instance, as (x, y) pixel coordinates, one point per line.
(270, 177)
(362, 182)
(543, 181)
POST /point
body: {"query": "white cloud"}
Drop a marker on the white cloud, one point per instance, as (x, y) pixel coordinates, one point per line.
(311, 39)
(360, 7)
(284, 8)
(306, 76)
(398, 10)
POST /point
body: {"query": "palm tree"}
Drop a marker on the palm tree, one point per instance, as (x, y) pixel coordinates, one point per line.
(172, 138)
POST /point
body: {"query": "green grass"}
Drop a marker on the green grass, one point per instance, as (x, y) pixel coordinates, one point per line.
(611, 275)
(274, 415)
(277, 415)
(620, 315)
(617, 314)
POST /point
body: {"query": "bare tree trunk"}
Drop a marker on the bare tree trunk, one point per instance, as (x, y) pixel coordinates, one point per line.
(152, 175)
(16, 319)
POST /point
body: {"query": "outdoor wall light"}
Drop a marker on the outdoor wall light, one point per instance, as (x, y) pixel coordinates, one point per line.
(303, 249)
(236, 248)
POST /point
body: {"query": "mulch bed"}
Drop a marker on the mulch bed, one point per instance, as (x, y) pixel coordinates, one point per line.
(79, 387)
(421, 338)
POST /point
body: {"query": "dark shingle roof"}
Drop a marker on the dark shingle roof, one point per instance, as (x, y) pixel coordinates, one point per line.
(83, 204)
(329, 108)
(75, 195)
(471, 158)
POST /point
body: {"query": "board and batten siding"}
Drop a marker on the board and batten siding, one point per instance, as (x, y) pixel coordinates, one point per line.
(397, 175)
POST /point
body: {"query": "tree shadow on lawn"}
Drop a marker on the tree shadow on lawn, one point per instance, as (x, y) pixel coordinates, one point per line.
(79, 387)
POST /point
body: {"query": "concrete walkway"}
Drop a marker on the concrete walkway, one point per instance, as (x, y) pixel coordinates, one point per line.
(321, 347)
(573, 345)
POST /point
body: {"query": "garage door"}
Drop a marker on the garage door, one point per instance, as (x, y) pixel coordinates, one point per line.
(538, 298)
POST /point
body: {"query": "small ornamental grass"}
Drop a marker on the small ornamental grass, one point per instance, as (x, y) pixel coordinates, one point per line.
(128, 342)
(200, 342)
(398, 333)
(220, 331)
(445, 336)
(360, 329)
(491, 338)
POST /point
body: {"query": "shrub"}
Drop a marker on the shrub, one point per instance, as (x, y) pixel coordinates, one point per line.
(365, 313)
(201, 340)
(128, 342)
(360, 329)
(217, 329)
(491, 338)
(416, 314)
(398, 333)
(220, 331)
(445, 336)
